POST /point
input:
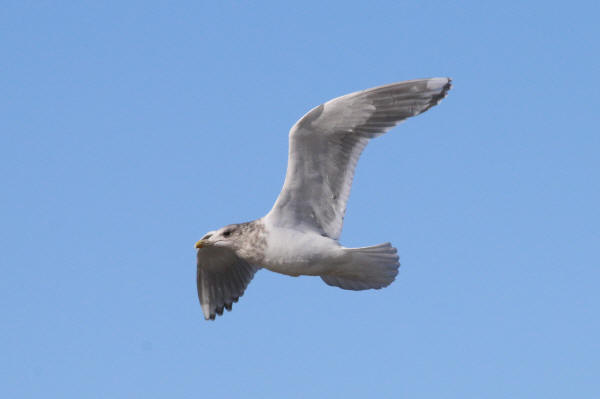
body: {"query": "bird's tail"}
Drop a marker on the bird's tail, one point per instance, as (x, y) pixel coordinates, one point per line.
(368, 267)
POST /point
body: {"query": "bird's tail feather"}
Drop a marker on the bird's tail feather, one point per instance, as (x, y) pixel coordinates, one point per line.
(368, 267)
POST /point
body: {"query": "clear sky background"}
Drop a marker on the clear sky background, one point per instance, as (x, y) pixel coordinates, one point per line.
(129, 129)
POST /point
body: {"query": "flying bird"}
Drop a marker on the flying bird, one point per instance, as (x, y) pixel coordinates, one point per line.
(299, 236)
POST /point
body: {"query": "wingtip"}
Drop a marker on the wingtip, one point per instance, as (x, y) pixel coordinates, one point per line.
(206, 312)
(437, 83)
(448, 85)
(211, 314)
(443, 85)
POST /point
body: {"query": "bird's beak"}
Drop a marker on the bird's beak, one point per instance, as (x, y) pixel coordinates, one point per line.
(201, 243)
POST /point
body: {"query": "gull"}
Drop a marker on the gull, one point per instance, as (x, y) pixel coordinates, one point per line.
(299, 236)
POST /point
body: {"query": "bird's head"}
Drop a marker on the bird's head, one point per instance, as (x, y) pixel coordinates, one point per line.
(224, 237)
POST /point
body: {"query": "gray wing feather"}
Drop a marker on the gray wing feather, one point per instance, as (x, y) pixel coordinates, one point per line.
(221, 278)
(326, 143)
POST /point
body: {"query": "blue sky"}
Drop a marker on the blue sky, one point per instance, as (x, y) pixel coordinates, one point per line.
(129, 129)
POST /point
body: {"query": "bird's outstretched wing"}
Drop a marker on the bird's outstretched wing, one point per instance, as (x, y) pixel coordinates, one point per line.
(325, 145)
(221, 278)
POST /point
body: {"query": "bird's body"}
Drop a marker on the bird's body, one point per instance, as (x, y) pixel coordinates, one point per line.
(296, 253)
(299, 236)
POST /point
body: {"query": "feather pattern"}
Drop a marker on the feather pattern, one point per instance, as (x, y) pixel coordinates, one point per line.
(326, 143)
(221, 278)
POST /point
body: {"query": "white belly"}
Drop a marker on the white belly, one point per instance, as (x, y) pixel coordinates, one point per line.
(297, 253)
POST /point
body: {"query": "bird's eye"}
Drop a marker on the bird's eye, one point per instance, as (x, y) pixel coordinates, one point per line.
(227, 233)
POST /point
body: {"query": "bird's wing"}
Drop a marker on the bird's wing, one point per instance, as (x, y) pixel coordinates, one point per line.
(325, 145)
(221, 278)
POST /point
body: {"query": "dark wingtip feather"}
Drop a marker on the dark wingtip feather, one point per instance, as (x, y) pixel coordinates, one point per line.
(435, 100)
